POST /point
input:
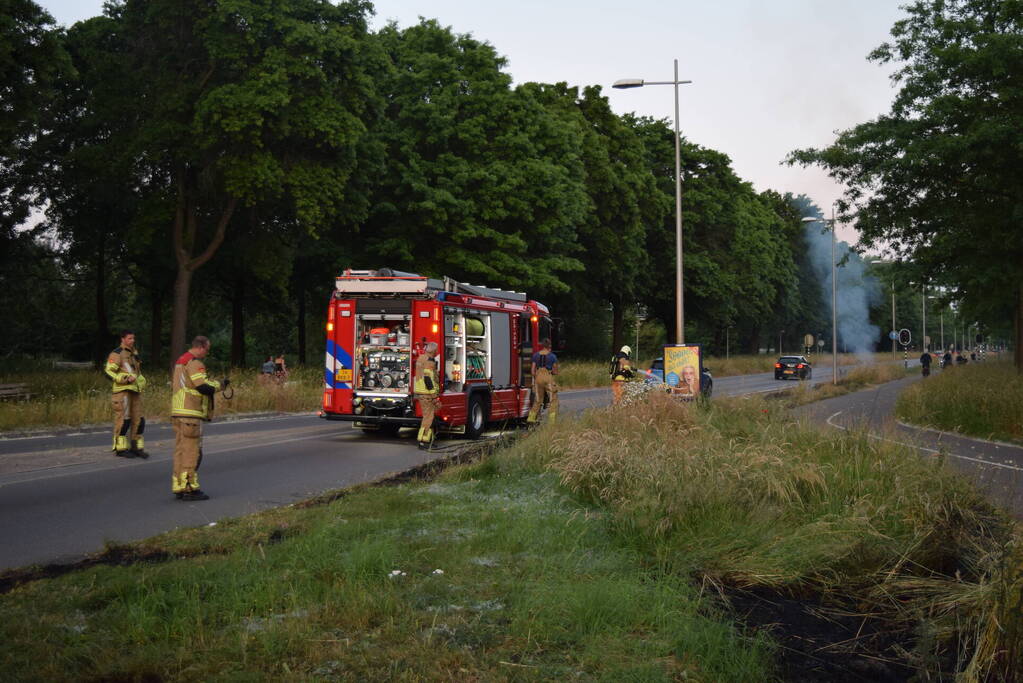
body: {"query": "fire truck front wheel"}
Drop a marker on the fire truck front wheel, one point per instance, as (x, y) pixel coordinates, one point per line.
(476, 418)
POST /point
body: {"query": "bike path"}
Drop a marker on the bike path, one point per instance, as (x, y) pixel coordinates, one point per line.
(995, 467)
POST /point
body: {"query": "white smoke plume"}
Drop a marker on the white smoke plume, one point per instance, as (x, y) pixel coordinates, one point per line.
(857, 290)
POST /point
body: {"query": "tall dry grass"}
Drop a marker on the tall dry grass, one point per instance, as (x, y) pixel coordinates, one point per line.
(737, 492)
(979, 399)
(72, 398)
(577, 374)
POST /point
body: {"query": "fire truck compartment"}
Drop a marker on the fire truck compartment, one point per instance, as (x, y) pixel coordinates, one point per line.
(383, 355)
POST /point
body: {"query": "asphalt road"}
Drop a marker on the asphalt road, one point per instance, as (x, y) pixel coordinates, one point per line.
(64, 495)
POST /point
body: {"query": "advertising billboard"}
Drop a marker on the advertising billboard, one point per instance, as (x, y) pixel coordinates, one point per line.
(683, 365)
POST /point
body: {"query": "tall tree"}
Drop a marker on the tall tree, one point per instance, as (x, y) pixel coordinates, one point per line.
(32, 60)
(936, 179)
(737, 262)
(479, 181)
(243, 102)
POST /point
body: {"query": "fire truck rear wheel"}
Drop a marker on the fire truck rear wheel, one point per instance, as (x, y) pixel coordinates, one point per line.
(476, 418)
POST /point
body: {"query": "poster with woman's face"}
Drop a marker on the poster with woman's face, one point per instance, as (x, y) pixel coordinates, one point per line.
(682, 369)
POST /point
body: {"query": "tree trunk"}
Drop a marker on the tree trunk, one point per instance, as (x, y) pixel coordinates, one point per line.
(301, 324)
(102, 324)
(179, 315)
(1018, 351)
(185, 230)
(238, 325)
(156, 328)
(753, 341)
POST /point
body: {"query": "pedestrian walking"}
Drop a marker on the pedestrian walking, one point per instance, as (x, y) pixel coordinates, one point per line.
(191, 404)
(427, 391)
(946, 360)
(545, 386)
(621, 372)
(925, 363)
(124, 368)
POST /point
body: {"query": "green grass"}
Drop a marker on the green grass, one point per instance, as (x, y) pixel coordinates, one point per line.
(979, 399)
(583, 551)
(533, 587)
(737, 493)
(855, 379)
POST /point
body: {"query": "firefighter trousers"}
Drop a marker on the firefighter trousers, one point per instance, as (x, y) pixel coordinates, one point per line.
(187, 453)
(127, 418)
(428, 404)
(617, 389)
(545, 388)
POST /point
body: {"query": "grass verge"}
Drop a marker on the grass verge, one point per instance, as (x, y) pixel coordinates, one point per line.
(593, 550)
(855, 379)
(475, 576)
(71, 398)
(738, 495)
(980, 399)
(580, 374)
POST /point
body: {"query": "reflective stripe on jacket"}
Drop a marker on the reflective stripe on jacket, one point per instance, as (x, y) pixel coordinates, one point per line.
(121, 364)
(186, 400)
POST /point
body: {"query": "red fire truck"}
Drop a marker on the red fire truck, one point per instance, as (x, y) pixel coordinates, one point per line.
(379, 321)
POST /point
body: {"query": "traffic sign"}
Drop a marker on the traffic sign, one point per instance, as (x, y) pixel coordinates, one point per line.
(904, 337)
(893, 335)
(808, 340)
(820, 343)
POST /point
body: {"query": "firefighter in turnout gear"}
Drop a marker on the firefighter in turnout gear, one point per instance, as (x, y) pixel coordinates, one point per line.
(545, 367)
(621, 372)
(191, 404)
(427, 391)
(124, 368)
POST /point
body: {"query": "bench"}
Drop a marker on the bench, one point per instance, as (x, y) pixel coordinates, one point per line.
(15, 392)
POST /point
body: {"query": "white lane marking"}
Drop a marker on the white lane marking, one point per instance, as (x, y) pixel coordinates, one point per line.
(928, 450)
(994, 442)
(101, 465)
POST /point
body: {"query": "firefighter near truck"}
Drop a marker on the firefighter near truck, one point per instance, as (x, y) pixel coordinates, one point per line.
(379, 323)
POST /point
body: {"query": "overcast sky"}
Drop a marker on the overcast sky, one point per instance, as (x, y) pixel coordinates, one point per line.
(768, 76)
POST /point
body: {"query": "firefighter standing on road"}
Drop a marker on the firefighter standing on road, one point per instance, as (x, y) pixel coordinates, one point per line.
(545, 367)
(621, 372)
(427, 390)
(191, 403)
(124, 368)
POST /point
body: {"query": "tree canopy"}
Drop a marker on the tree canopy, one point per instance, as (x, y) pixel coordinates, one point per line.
(936, 178)
(214, 166)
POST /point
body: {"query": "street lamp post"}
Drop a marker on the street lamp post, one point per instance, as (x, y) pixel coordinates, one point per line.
(941, 318)
(834, 294)
(680, 336)
(923, 315)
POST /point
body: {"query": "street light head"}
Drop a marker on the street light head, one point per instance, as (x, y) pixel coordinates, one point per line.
(628, 83)
(814, 219)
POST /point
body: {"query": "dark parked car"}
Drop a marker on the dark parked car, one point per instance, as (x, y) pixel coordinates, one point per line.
(795, 367)
(655, 375)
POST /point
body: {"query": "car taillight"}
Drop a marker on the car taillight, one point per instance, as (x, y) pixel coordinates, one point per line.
(777, 365)
(800, 366)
